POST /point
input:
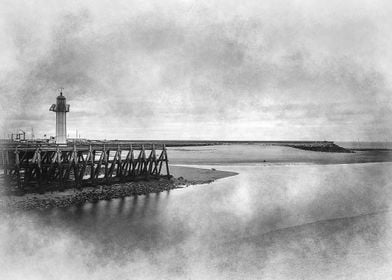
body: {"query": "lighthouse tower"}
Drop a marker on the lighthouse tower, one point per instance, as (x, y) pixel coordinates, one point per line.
(61, 108)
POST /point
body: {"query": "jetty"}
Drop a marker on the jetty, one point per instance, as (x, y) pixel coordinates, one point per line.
(49, 167)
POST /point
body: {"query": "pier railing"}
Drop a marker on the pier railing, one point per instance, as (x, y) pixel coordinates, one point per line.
(52, 167)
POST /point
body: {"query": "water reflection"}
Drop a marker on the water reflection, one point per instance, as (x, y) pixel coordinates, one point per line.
(132, 206)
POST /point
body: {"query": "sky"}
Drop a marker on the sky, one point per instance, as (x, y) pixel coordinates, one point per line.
(224, 70)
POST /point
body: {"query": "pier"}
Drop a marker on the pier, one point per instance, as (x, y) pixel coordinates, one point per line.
(46, 167)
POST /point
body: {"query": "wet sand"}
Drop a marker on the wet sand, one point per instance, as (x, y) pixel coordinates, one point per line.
(199, 175)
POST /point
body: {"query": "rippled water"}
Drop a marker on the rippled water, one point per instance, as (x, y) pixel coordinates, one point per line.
(277, 222)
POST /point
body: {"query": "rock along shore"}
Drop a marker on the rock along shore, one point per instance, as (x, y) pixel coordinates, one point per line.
(90, 194)
(70, 197)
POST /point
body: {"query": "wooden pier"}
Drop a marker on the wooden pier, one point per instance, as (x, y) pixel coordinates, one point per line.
(41, 168)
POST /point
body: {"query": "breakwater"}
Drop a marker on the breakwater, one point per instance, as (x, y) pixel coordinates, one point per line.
(328, 147)
(319, 146)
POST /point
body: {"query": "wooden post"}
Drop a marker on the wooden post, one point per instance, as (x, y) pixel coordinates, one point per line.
(144, 161)
(133, 163)
(119, 172)
(70, 162)
(139, 163)
(167, 161)
(60, 167)
(126, 169)
(92, 159)
(160, 161)
(38, 170)
(157, 161)
(3, 159)
(153, 160)
(106, 162)
(17, 169)
(75, 163)
(7, 162)
(148, 164)
(99, 165)
(114, 162)
(83, 168)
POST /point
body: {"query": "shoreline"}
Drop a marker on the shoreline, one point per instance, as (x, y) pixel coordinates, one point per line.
(75, 197)
(184, 174)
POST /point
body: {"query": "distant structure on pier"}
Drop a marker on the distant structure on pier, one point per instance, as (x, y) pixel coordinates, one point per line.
(61, 108)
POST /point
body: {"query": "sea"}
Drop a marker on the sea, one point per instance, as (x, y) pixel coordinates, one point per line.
(365, 145)
(272, 221)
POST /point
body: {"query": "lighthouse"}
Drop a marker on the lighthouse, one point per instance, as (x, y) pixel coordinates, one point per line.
(61, 108)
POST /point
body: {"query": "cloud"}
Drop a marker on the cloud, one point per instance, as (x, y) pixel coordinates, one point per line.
(155, 64)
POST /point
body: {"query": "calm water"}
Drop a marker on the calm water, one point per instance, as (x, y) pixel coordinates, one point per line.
(256, 153)
(366, 145)
(261, 223)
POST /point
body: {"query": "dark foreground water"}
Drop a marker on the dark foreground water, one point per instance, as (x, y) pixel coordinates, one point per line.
(269, 222)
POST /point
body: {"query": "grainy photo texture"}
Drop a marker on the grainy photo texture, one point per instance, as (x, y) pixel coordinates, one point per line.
(193, 139)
